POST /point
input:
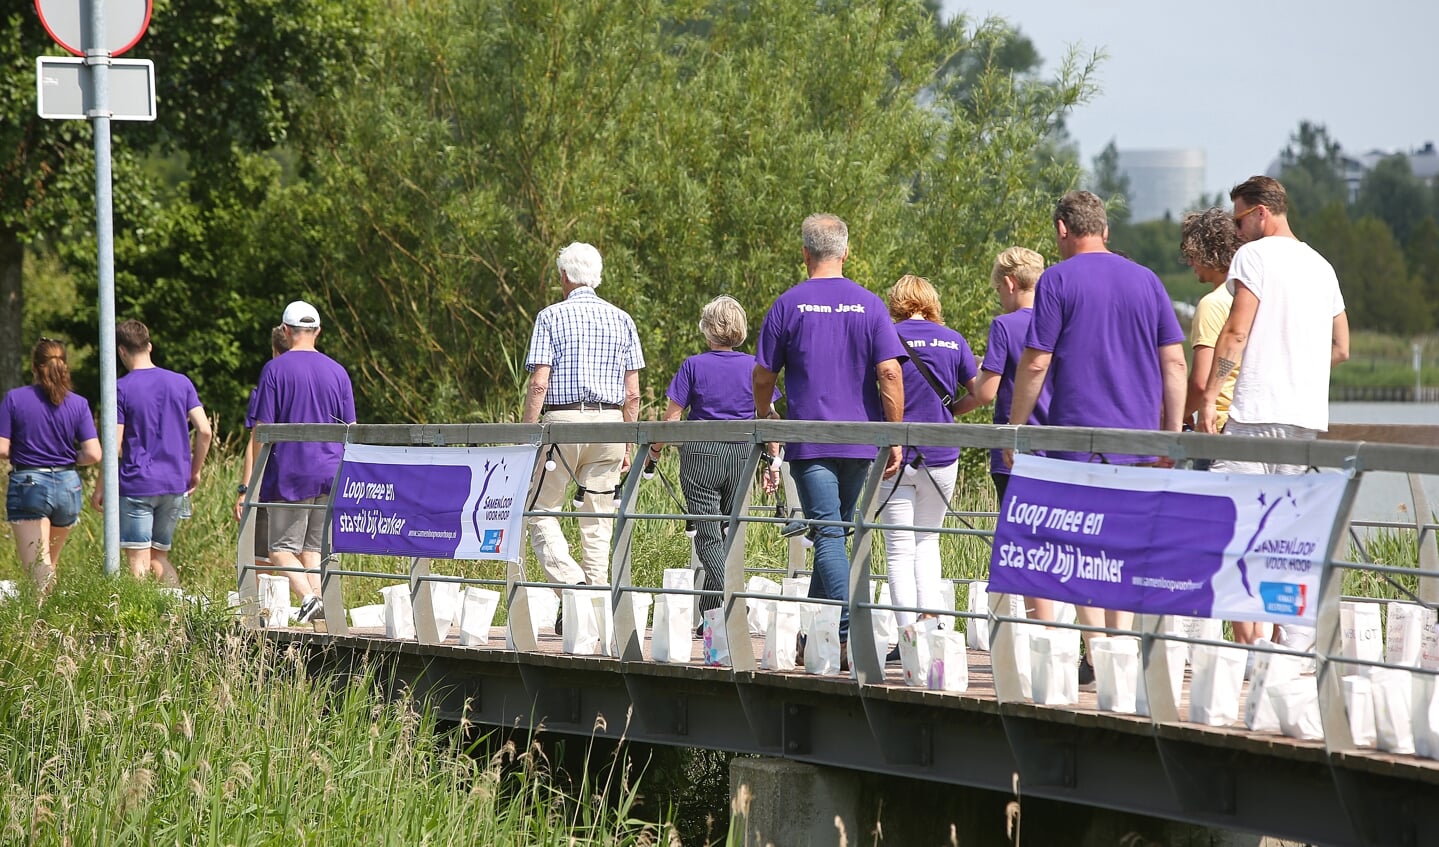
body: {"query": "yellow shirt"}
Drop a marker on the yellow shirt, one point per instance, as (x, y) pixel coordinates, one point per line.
(1209, 318)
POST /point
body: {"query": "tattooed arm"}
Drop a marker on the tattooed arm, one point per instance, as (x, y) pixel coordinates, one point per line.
(1228, 351)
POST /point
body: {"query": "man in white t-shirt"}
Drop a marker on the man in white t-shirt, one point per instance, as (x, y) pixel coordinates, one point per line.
(1287, 323)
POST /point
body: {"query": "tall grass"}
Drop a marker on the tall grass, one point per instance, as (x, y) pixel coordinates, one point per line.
(128, 717)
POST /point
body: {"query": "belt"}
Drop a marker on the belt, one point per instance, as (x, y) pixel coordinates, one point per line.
(583, 406)
(36, 468)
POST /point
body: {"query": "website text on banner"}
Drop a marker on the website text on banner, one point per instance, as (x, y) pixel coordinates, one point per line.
(439, 502)
(1243, 547)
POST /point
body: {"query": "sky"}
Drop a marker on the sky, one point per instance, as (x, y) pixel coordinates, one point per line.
(1236, 78)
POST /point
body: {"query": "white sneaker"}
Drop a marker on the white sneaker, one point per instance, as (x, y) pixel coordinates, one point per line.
(310, 609)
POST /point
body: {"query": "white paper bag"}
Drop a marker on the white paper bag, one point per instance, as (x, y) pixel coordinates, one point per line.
(1054, 666)
(544, 607)
(232, 599)
(641, 602)
(399, 613)
(368, 617)
(1064, 613)
(1116, 672)
(1393, 695)
(672, 639)
(757, 612)
(274, 598)
(946, 594)
(886, 633)
(716, 643)
(977, 628)
(1177, 652)
(780, 638)
(1214, 686)
(1359, 705)
(821, 648)
(477, 613)
(948, 661)
(1424, 709)
(1361, 635)
(522, 615)
(884, 622)
(1207, 629)
(1404, 633)
(445, 603)
(1296, 704)
(583, 635)
(1297, 637)
(1269, 669)
(799, 587)
(1429, 649)
(914, 655)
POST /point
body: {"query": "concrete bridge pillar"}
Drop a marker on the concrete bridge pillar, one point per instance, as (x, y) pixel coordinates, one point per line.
(792, 804)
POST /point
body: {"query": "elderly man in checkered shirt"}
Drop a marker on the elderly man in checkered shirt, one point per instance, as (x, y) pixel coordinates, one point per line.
(584, 362)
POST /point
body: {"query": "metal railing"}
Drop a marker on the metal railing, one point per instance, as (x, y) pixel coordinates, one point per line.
(1357, 458)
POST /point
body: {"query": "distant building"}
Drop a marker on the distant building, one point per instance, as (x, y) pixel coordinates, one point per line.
(1162, 182)
(1424, 162)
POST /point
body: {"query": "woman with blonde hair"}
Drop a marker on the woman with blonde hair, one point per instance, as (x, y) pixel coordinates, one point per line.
(46, 431)
(939, 367)
(714, 386)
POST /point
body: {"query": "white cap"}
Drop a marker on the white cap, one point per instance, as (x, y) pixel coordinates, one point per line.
(301, 315)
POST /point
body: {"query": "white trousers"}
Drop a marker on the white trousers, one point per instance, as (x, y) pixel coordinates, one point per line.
(920, 498)
(597, 468)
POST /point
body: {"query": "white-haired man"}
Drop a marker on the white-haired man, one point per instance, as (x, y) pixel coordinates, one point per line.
(584, 363)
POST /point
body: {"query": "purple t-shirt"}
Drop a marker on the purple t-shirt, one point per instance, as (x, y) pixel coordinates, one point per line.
(1104, 318)
(950, 362)
(302, 386)
(250, 408)
(153, 405)
(827, 335)
(717, 385)
(1001, 356)
(42, 435)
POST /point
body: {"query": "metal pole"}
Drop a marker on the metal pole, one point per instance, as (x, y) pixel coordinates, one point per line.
(98, 58)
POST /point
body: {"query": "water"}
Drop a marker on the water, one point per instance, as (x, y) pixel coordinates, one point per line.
(1385, 496)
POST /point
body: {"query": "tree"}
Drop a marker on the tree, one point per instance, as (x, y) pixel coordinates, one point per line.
(1390, 193)
(229, 73)
(1112, 184)
(686, 141)
(1423, 257)
(1312, 170)
(1379, 292)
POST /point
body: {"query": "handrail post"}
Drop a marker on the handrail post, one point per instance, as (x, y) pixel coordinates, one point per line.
(1428, 559)
(863, 656)
(246, 575)
(332, 597)
(1328, 642)
(422, 602)
(627, 641)
(736, 621)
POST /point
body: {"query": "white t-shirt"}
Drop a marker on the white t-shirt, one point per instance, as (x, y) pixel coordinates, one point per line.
(1285, 378)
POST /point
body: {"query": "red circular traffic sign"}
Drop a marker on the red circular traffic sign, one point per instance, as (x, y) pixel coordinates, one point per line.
(68, 22)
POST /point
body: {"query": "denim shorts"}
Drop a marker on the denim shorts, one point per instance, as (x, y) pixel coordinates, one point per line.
(36, 495)
(149, 521)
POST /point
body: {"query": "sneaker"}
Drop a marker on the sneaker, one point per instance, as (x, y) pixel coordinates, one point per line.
(844, 657)
(311, 609)
(892, 656)
(560, 621)
(1086, 673)
(799, 650)
(793, 528)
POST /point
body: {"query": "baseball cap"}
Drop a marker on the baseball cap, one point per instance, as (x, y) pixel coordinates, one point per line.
(301, 315)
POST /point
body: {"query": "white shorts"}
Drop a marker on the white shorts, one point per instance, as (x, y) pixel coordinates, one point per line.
(1264, 430)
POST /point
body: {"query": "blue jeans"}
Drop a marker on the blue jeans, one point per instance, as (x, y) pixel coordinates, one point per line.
(32, 495)
(150, 521)
(828, 491)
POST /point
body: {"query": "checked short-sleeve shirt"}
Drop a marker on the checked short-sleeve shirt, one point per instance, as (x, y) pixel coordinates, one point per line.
(589, 344)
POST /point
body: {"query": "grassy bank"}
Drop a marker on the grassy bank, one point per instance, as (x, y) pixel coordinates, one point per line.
(127, 717)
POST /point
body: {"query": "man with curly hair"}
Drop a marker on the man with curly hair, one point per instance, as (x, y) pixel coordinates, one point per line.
(1207, 242)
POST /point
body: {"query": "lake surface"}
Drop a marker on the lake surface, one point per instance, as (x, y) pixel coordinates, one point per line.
(1386, 496)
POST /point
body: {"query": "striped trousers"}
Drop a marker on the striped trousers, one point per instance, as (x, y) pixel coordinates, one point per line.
(711, 475)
